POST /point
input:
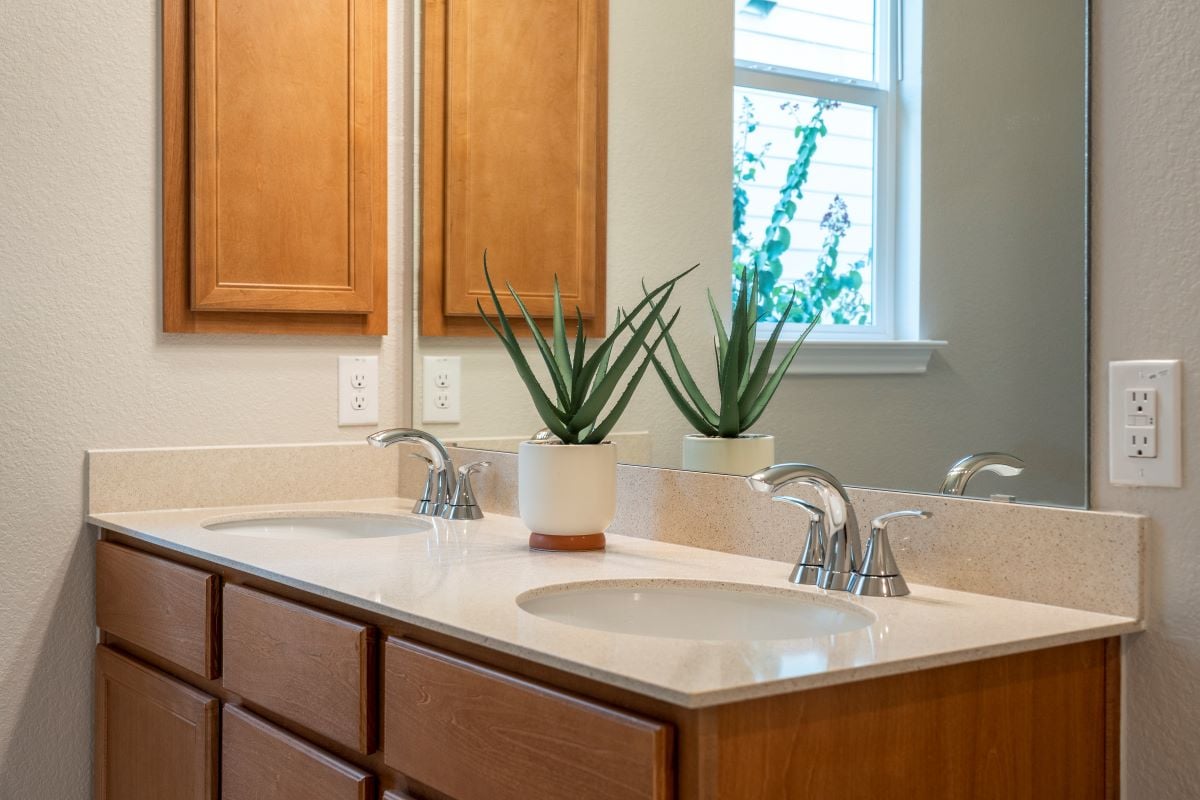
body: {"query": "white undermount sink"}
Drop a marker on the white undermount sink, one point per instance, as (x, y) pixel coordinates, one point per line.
(680, 609)
(319, 527)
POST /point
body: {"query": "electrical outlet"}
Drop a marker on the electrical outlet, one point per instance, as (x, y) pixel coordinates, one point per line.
(442, 389)
(1145, 423)
(358, 390)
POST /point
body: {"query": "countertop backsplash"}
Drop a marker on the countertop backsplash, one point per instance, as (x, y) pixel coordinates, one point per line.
(1066, 557)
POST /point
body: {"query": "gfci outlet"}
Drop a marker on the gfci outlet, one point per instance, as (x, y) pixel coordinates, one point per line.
(358, 390)
(1145, 423)
(442, 389)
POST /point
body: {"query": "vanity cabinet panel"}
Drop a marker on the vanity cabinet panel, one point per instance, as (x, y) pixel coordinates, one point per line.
(155, 738)
(262, 762)
(479, 734)
(514, 148)
(313, 668)
(275, 166)
(167, 608)
(1030, 725)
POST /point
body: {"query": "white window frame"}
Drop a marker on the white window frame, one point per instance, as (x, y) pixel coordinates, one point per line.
(889, 345)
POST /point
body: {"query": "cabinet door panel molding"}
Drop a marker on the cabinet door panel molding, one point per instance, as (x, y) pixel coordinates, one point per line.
(275, 166)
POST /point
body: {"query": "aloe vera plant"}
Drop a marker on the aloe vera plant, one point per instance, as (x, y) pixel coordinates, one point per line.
(583, 386)
(746, 385)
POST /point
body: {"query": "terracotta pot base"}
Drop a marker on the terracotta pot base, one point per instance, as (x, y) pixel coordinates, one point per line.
(566, 544)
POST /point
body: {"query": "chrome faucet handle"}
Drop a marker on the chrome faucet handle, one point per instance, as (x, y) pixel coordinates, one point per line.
(955, 482)
(426, 504)
(463, 505)
(879, 575)
(812, 557)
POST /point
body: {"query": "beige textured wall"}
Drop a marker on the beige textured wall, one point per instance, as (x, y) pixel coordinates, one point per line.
(1002, 182)
(1146, 234)
(82, 364)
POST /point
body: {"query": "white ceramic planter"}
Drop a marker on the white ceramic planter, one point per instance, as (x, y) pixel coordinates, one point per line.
(567, 494)
(744, 455)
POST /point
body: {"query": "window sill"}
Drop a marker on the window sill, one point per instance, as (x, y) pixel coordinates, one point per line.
(881, 357)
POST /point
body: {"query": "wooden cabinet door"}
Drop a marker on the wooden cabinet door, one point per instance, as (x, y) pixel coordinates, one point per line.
(283, 135)
(515, 112)
(156, 738)
(262, 762)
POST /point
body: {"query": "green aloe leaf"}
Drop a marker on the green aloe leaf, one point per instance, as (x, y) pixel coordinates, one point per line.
(560, 336)
(560, 385)
(722, 341)
(764, 397)
(691, 414)
(589, 369)
(602, 368)
(604, 389)
(762, 368)
(580, 349)
(602, 429)
(686, 380)
(546, 410)
(731, 378)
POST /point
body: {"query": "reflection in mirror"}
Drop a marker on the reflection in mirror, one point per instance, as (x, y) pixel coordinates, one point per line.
(913, 172)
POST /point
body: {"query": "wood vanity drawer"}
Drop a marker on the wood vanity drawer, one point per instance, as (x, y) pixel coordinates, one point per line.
(479, 734)
(262, 762)
(313, 668)
(166, 608)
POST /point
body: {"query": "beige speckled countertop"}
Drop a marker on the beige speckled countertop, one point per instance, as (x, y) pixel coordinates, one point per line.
(463, 578)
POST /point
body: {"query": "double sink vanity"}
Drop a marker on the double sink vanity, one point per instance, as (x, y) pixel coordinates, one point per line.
(347, 648)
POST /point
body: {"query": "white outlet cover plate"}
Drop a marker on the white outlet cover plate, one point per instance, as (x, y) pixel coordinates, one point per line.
(449, 408)
(352, 370)
(1166, 468)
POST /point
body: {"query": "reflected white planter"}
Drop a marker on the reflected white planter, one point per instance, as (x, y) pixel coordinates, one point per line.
(567, 493)
(744, 455)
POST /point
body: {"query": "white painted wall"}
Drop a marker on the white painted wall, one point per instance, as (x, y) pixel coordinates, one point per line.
(1000, 243)
(82, 364)
(1146, 235)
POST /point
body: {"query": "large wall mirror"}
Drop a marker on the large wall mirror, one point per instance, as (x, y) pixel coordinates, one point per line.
(940, 220)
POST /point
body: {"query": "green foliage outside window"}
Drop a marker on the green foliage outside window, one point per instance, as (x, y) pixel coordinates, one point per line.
(822, 291)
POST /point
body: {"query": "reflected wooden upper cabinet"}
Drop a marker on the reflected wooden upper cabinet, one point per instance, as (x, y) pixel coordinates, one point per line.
(513, 141)
(275, 166)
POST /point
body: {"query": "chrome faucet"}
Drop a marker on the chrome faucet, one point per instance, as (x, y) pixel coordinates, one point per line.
(442, 483)
(842, 545)
(964, 469)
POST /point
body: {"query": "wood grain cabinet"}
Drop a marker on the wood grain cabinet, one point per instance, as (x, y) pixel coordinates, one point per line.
(166, 608)
(313, 668)
(155, 738)
(275, 166)
(296, 713)
(479, 734)
(260, 761)
(514, 147)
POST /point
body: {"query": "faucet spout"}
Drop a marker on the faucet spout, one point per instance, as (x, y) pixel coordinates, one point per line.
(955, 482)
(447, 481)
(843, 546)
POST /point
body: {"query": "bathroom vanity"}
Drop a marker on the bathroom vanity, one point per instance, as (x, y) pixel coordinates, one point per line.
(407, 666)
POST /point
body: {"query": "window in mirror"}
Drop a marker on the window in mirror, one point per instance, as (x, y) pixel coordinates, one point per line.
(813, 164)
